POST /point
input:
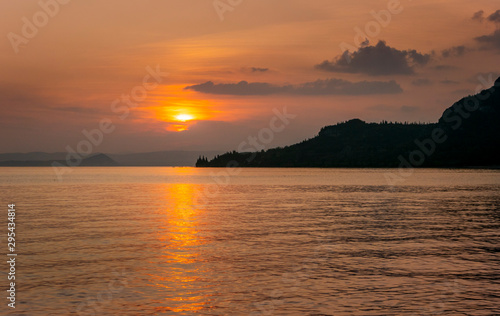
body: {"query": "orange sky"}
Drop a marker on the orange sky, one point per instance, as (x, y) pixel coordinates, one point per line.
(84, 55)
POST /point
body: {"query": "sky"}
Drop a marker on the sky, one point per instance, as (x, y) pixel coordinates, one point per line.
(155, 75)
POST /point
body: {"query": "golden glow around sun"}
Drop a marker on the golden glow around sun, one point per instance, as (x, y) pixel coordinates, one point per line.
(184, 117)
(177, 128)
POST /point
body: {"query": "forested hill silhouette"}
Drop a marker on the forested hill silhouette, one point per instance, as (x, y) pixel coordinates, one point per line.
(466, 135)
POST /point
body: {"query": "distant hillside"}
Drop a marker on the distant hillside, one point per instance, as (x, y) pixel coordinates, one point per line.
(467, 134)
(32, 156)
(161, 158)
(98, 160)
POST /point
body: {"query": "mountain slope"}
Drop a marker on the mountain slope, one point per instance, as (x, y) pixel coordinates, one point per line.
(467, 134)
(161, 158)
(97, 160)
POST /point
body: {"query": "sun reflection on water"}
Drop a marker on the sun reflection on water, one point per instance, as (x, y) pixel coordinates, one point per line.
(181, 244)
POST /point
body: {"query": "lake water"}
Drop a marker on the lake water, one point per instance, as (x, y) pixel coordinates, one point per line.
(184, 241)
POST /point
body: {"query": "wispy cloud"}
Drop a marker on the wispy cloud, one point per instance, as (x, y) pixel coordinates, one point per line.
(491, 41)
(318, 87)
(494, 17)
(454, 51)
(478, 16)
(421, 82)
(258, 69)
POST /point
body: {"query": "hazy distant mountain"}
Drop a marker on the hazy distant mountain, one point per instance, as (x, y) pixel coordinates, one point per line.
(98, 160)
(161, 158)
(32, 156)
(467, 134)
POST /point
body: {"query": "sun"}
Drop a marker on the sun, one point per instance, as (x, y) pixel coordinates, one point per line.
(184, 117)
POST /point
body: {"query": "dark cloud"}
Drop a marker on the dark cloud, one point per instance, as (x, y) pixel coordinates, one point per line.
(449, 81)
(490, 41)
(478, 16)
(318, 87)
(376, 61)
(240, 88)
(454, 51)
(418, 58)
(444, 67)
(421, 82)
(258, 69)
(79, 110)
(494, 17)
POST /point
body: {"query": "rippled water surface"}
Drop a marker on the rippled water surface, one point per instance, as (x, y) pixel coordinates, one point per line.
(184, 241)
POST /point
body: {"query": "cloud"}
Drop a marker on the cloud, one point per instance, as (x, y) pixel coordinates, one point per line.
(454, 51)
(478, 16)
(240, 88)
(490, 41)
(318, 87)
(79, 110)
(494, 17)
(257, 69)
(254, 69)
(449, 82)
(445, 67)
(421, 82)
(377, 60)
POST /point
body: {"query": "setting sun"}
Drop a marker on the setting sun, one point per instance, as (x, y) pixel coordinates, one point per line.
(217, 154)
(184, 117)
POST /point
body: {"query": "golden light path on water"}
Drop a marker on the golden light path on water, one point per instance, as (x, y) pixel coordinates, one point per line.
(179, 236)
